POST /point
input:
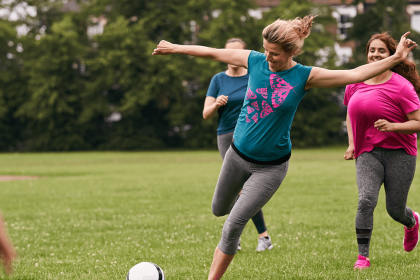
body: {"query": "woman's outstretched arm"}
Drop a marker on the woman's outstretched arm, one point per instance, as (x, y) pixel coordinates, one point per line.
(320, 77)
(236, 57)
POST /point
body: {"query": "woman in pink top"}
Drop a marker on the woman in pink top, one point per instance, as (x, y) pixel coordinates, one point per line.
(383, 118)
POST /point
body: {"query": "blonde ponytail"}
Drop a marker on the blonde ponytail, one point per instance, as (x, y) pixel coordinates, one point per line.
(289, 33)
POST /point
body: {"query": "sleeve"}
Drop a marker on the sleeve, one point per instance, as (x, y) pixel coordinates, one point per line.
(347, 95)
(213, 89)
(408, 99)
(305, 71)
(253, 58)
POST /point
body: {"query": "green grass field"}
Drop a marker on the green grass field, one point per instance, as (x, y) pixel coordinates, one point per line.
(95, 215)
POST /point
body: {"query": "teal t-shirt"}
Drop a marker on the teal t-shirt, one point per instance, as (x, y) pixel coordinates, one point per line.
(263, 129)
(235, 89)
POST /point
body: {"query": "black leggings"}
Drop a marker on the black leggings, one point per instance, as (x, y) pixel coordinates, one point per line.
(223, 144)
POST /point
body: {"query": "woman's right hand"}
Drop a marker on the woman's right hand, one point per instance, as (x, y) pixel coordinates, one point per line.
(349, 155)
(221, 101)
(164, 48)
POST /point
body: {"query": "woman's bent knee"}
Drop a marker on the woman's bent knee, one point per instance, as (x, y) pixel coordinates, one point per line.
(218, 211)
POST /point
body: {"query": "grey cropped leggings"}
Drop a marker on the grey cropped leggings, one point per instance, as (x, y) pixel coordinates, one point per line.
(223, 144)
(258, 184)
(395, 169)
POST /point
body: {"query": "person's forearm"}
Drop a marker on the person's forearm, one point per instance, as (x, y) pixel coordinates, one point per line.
(198, 51)
(205, 52)
(210, 111)
(408, 127)
(368, 71)
(229, 56)
(349, 131)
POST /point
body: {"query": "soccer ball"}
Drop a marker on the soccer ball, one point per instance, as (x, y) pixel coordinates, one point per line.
(145, 271)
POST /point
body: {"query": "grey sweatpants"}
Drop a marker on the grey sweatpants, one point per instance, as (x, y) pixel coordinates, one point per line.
(395, 169)
(258, 184)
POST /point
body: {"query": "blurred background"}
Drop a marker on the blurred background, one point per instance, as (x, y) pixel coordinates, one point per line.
(79, 75)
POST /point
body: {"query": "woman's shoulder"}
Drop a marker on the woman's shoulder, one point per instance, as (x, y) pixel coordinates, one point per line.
(219, 76)
(255, 56)
(302, 68)
(400, 81)
(403, 86)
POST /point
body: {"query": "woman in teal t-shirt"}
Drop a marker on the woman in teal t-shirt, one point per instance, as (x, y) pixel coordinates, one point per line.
(226, 95)
(258, 159)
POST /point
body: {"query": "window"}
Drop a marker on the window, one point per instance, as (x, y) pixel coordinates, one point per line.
(344, 18)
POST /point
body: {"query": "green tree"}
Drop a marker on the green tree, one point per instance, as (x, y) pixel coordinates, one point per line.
(160, 98)
(54, 69)
(384, 15)
(60, 87)
(12, 90)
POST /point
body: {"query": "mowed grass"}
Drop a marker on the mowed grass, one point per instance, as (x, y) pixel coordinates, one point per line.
(95, 215)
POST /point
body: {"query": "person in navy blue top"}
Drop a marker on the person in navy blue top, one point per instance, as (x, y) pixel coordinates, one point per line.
(258, 159)
(226, 95)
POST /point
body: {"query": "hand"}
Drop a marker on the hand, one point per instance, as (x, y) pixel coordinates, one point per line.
(164, 48)
(221, 101)
(405, 46)
(7, 252)
(384, 125)
(349, 155)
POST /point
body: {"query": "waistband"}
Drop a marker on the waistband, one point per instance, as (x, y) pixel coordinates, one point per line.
(270, 162)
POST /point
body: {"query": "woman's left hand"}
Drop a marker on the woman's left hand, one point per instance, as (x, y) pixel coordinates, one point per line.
(384, 125)
(405, 46)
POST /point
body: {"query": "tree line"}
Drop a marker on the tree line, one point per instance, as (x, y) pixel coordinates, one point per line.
(63, 90)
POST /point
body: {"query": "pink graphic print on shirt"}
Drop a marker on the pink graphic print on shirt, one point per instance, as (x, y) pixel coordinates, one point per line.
(266, 110)
(247, 119)
(263, 92)
(255, 104)
(281, 90)
(250, 94)
(250, 110)
(255, 117)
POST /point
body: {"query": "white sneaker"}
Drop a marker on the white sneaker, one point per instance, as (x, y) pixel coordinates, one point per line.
(239, 244)
(264, 244)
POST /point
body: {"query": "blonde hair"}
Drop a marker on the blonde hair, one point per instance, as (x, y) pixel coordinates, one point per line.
(289, 33)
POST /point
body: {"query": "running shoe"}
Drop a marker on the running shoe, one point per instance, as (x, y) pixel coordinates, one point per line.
(264, 243)
(239, 244)
(361, 263)
(411, 236)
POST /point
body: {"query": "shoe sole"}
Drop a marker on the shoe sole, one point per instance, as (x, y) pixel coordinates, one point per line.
(360, 268)
(418, 239)
(268, 248)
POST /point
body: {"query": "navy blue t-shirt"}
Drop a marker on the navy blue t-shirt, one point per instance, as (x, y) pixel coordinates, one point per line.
(235, 89)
